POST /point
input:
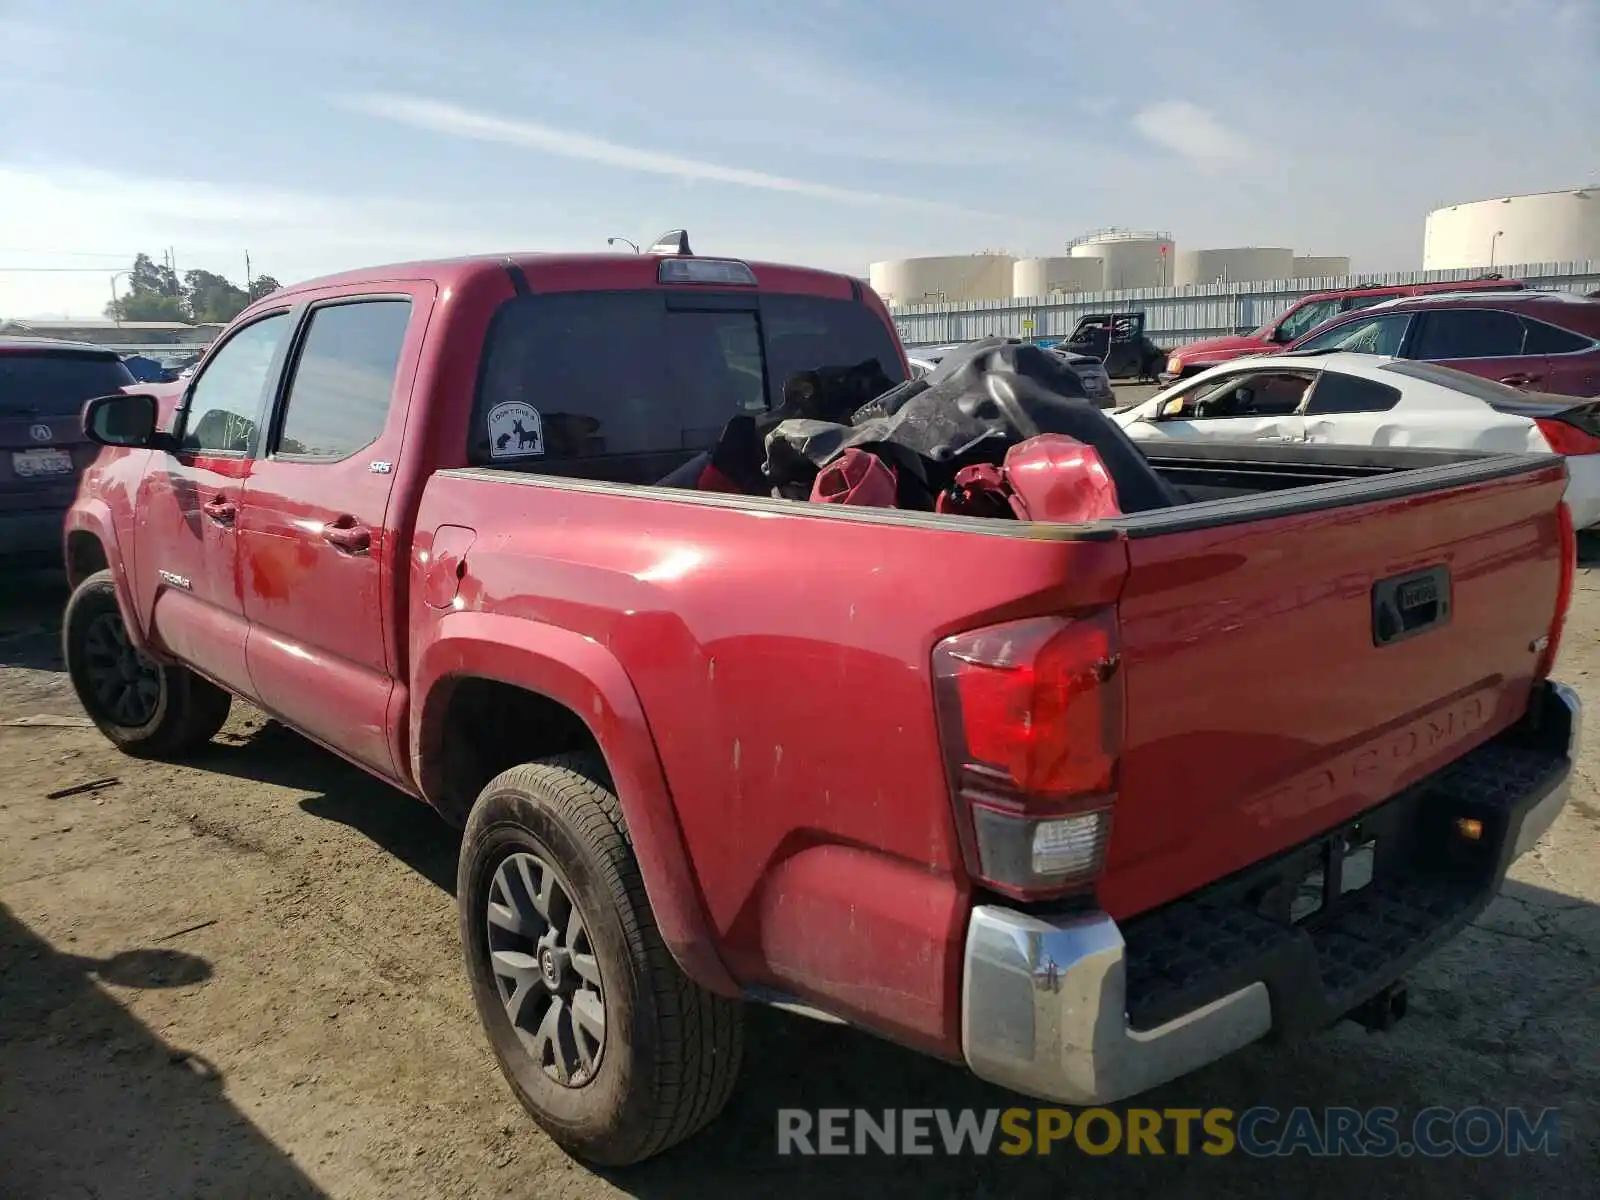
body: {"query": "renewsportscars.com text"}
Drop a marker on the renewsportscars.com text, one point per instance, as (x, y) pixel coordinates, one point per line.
(1259, 1132)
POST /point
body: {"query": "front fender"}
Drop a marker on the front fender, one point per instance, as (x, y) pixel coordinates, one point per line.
(586, 678)
(92, 515)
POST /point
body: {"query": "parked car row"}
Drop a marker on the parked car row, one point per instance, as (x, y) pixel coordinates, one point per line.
(1344, 398)
(1541, 341)
(1310, 313)
(990, 794)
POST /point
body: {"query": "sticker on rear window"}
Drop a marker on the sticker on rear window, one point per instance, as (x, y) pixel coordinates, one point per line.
(515, 430)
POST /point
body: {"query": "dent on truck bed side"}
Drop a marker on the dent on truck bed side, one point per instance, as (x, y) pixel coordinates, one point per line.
(583, 676)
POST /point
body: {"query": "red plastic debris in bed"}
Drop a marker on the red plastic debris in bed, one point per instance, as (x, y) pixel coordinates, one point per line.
(978, 491)
(1051, 477)
(713, 480)
(856, 477)
(1057, 478)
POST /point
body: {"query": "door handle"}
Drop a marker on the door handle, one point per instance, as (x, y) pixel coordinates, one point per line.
(1517, 379)
(347, 535)
(221, 510)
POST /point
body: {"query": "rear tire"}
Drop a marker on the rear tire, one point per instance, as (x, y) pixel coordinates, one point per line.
(147, 709)
(666, 1054)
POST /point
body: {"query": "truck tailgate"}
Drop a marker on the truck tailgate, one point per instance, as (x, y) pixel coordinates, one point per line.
(1268, 698)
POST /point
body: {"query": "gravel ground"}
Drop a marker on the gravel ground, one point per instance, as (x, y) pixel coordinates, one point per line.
(239, 977)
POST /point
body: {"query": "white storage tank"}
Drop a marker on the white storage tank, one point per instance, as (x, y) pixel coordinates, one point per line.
(1320, 266)
(1038, 277)
(1236, 264)
(942, 279)
(1543, 227)
(1131, 258)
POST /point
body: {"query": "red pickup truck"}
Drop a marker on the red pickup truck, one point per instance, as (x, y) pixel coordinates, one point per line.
(1085, 807)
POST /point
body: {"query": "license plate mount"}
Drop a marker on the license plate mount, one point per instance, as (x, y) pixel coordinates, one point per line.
(1348, 864)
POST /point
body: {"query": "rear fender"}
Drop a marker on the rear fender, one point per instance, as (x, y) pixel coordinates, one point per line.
(584, 676)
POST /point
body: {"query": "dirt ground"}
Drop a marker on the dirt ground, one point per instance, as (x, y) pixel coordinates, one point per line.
(240, 977)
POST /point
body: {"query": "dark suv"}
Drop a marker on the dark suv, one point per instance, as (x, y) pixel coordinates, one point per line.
(43, 385)
(1542, 341)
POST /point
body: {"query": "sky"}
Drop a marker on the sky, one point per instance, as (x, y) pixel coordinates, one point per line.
(320, 135)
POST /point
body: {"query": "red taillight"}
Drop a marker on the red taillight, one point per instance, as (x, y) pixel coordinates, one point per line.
(1569, 572)
(1565, 438)
(1030, 713)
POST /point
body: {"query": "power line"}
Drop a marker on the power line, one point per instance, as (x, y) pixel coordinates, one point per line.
(64, 253)
(59, 270)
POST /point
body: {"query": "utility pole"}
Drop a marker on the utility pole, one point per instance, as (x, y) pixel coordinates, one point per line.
(116, 312)
(247, 272)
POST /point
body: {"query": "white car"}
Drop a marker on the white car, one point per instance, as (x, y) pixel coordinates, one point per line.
(1350, 399)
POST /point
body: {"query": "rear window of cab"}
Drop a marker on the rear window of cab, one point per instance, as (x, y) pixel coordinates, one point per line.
(626, 386)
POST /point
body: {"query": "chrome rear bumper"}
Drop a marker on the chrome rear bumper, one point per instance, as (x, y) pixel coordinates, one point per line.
(1043, 1011)
(1044, 1004)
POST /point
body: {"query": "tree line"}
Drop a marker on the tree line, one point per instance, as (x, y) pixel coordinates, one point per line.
(156, 293)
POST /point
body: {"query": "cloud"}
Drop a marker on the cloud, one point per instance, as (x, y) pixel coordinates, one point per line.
(455, 121)
(1191, 131)
(290, 233)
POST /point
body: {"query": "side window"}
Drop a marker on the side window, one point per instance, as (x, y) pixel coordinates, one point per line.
(1368, 335)
(225, 399)
(1303, 320)
(1252, 394)
(1337, 392)
(1551, 339)
(1468, 333)
(338, 399)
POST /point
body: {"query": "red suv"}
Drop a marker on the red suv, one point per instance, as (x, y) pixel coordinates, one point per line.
(1543, 341)
(1307, 314)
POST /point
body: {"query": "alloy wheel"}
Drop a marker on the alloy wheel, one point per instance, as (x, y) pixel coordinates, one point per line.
(545, 969)
(125, 683)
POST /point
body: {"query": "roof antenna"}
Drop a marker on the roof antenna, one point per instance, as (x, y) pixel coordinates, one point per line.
(674, 241)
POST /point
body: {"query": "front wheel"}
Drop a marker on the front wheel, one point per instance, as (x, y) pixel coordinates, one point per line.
(608, 1045)
(146, 708)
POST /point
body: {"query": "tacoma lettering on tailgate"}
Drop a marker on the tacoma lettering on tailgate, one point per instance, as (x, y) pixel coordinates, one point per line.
(1378, 768)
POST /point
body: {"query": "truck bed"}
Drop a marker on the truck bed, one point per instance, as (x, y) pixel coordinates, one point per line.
(809, 781)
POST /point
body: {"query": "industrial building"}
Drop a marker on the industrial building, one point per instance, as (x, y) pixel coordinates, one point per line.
(947, 278)
(1543, 227)
(1129, 258)
(1056, 276)
(1320, 266)
(1239, 262)
(1103, 260)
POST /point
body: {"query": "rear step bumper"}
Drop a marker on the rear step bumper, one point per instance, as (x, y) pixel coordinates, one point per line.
(1079, 1010)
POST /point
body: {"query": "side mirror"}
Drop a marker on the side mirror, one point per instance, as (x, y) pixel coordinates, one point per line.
(1172, 408)
(121, 419)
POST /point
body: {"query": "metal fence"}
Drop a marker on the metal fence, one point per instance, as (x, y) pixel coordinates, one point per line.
(1178, 315)
(152, 349)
